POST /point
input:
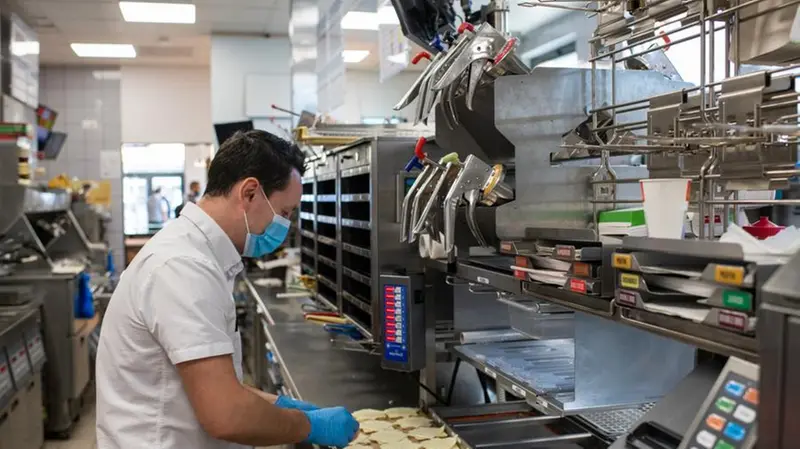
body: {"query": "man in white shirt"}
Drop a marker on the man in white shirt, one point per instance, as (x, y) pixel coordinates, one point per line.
(169, 364)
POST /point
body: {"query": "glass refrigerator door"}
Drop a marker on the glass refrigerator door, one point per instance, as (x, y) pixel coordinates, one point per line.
(134, 199)
(171, 188)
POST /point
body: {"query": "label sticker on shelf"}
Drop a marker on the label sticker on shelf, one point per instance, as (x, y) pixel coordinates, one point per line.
(577, 285)
(628, 280)
(732, 320)
(731, 275)
(626, 298)
(506, 247)
(483, 280)
(490, 373)
(518, 391)
(736, 299)
(564, 251)
(582, 269)
(622, 261)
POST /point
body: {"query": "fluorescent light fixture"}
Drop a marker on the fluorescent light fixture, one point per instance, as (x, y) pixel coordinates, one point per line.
(360, 20)
(104, 50)
(354, 56)
(145, 12)
(24, 48)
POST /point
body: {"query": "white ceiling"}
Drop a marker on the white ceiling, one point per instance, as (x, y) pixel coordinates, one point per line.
(61, 22)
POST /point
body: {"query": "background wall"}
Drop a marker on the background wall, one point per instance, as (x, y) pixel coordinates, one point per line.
(166, 105)
(88, 104)
(366, 96)
(232, 59)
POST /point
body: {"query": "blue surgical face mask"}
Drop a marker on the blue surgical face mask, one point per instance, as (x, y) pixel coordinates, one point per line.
(258, 245)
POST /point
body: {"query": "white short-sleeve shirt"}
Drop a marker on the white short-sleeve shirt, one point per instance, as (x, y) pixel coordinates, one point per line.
(173, 304)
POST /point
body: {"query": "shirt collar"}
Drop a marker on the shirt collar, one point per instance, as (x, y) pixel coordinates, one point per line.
(221, 245)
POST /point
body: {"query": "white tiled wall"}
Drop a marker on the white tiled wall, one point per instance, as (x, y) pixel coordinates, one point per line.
(89, 112)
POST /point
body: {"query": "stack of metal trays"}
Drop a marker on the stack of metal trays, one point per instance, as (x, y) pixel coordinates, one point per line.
(700, 281)
(544, 366)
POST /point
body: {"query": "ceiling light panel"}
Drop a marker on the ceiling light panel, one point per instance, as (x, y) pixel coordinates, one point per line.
(104, 50)
(145, 12)
(354, 56)
(359, 20)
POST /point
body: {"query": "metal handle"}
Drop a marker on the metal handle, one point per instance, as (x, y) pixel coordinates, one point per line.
(485, 291)
(451, 280)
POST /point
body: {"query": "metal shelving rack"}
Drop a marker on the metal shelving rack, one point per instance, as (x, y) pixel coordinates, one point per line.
(349, 225)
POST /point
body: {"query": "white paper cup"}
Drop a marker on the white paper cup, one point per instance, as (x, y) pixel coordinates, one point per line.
(665, 204)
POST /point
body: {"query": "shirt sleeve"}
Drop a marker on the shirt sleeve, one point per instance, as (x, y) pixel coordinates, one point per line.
(185, 307)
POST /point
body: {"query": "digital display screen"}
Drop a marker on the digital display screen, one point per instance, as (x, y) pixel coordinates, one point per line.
(395, 340)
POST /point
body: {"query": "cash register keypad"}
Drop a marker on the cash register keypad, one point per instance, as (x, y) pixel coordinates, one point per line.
(731, 417)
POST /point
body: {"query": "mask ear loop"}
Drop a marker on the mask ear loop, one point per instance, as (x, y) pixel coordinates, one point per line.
(275, 214)
(246, 224)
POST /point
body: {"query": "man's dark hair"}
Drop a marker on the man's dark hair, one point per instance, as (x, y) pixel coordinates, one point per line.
(257, 154)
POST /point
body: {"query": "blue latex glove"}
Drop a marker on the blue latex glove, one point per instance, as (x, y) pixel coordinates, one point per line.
(331, 427)
(294, 404)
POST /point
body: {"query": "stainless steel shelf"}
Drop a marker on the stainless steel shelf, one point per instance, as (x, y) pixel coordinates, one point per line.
(481, 275)
(329, 262)
(352, 274)
(540, 372)
(307, 251)
(358, 302)
(357, 250)
(571, 300)
(326, 302)
(360, 224)
(308, 234)
(326, 198)
(326, 219)
(357, 198)
(327, 282)
(326, 240)
(698, 334)
(308, 216)
(355, 171)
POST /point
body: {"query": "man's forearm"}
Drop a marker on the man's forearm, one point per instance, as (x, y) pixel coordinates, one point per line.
(271, 398)
(256, 421)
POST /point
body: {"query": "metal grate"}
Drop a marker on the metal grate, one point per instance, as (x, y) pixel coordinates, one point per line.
(616, 422)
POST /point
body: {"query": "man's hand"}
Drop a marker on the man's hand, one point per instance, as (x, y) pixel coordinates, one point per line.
(229, 411)
(294, 404)
(332, 427)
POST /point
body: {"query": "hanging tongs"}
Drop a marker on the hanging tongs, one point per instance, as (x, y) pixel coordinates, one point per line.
(489, 53)
(430, 218)
(416, 88)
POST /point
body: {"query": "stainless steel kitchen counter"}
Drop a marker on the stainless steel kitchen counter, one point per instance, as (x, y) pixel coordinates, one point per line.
(327, 376)
(317, 372)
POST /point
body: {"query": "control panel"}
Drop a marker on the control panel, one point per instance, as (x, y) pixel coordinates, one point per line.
(728, 418)
(403, 323)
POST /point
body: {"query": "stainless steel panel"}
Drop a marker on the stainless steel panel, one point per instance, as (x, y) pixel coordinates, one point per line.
(12, 199)
(533, 111)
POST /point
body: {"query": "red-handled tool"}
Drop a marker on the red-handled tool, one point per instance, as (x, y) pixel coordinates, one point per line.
(510, 44)
(420, 157)
(419, 56)
(465, 26)
(418, 149)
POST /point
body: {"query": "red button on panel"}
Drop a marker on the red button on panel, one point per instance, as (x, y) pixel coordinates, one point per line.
(751, 396)
(715, 422)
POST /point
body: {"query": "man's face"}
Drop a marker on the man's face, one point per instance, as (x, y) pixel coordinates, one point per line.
(284, 202)
(195, 188)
